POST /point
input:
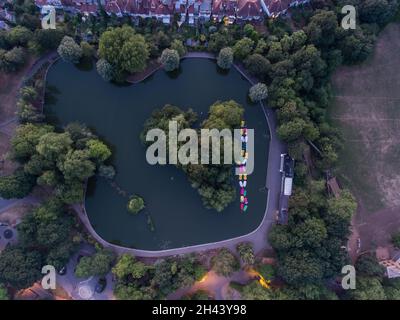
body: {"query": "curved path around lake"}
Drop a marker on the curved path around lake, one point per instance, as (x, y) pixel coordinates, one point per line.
(273, 183)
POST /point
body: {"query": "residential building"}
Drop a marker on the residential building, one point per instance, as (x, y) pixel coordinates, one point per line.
(189, 10)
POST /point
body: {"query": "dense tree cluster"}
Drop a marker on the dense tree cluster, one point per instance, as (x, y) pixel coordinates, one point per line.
(124, 49)
(97, 264)
(213, 182)
(137, 281)
(224, 263)
(61, 160)
(45, 238)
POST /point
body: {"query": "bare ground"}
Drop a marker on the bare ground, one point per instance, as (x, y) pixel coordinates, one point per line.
(15, 213)
(367, 108)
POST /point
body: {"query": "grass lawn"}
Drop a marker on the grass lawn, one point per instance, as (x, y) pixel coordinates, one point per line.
(367, 109)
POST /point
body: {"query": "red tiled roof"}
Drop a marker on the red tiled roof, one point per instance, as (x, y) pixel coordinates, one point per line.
(249, 8)
(277, 6)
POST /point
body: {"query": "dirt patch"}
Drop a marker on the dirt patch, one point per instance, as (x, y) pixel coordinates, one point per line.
(377, 228)
(15, 213)
(9, 86)
(152, 66)
(367, 109)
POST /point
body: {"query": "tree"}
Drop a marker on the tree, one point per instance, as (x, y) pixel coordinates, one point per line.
(135, 204)
(299, 267)
(170, 59)
(323, 28)
(311, 232)
(219, 40)
(280, 238)
(47, 39)
(225, 58)
(254, 291)
(368, 265)
(28, 113)
(13, 60)
(26, 138)
(51, 145)
(105, 69)
(19, 268)
(368, 289)
(69, 50)
(243, 48)
(88, 50)
(246, 252)
(291, 130)
(98, 150)
(18, 185)
(341, 208)
(377, 11)
(224, 263)
(3, 292)
(257, 65)
(76, 165)
(258, 92)
(19, 36)
(123, 49)
(128, 266)
(178, 46)
(131, 292)
(96, 265)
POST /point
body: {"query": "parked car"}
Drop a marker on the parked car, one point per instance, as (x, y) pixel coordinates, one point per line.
(101, 285)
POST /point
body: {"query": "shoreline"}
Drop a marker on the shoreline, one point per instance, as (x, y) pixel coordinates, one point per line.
(258, 237)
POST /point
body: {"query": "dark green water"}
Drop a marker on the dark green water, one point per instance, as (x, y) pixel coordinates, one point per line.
(117, 115)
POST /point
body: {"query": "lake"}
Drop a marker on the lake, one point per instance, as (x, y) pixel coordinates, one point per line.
(117, 113)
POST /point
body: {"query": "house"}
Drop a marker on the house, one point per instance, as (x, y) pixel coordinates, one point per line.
(205, 10)
(190, 10)
(274, 8)
(180, 9)
(392, 266)
(162, 10)
(224, 8)
(249, 10)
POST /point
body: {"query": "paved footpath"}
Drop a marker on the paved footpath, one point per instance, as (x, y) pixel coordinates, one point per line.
(273, 183)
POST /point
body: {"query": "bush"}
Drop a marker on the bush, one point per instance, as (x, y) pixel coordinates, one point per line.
(105, 69)
(69, 50)
(225, 58)
(18, 185)
(13, 60)
(246, 252)
(170, 59)
(135, 204)
(258, 92)
(224, 263)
